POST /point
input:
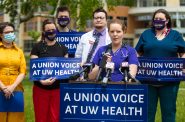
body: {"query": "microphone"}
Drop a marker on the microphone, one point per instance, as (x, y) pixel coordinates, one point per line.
(101, 67)
(103, 62)
(87, 67)
(109, 69)
(125, 69)
(133, 79)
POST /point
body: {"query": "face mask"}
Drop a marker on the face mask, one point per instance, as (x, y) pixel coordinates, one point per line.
(9, 37)
(63, 22)
(159, 24)
(50, 35)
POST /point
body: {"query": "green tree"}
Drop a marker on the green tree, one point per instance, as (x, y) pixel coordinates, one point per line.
(81, 10)
(34, 34)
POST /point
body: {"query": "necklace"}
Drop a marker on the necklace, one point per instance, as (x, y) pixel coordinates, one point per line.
(162, 35)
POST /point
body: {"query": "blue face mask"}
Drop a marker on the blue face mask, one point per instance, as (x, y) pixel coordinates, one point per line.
(50, 35)
(63, 22)
(159, 24)
(9, 37)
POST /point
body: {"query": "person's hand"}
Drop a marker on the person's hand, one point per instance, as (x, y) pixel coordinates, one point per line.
(109, 57)
(91, 41)
(11, 88)
(48, 81)
(81, 64)
(183, 70)
(8, 91)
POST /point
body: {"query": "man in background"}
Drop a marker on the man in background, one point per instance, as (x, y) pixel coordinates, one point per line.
(92, 40)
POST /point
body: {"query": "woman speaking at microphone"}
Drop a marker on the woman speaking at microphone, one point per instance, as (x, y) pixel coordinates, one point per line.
(46, 93)
(116, 53)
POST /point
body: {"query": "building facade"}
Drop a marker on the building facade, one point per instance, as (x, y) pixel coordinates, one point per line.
(137, 18)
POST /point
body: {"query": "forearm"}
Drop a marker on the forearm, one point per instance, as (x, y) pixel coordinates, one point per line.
(33, 56)
(18, 80)
(66, 56)
(92, 75)
(2, 86)
(182, 55)
(133, 70)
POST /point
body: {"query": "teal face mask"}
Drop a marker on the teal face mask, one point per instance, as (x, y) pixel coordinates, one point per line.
(9, 37)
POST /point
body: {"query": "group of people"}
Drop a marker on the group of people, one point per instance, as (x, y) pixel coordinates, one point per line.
(158, 41)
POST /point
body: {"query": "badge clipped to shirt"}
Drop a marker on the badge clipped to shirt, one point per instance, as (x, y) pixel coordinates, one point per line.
(91, 42)
(14, 104)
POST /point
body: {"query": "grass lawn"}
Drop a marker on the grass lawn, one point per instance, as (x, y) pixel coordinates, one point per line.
(29, 112)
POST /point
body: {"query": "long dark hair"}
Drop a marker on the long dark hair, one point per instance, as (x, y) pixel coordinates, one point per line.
(169, 24)
(3, 25)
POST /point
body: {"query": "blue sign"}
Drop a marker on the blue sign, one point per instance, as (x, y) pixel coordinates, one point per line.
(97, 103)
(70, 40)
(59, 68)
(161, 69)
(14, 104)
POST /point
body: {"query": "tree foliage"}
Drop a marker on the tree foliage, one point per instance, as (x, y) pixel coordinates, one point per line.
(34, 34)
(81, 10)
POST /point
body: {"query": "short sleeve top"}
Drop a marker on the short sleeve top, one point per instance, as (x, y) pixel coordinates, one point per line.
(125, 53)
(42, 50)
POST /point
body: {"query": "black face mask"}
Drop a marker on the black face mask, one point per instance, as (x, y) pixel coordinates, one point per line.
(63, 22)
(50, 35)
(159, 24)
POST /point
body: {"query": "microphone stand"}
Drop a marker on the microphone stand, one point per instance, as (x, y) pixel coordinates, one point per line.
(77, 75)
(134, 79)
(129, 76)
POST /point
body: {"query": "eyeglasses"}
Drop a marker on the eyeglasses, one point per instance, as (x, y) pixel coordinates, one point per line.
(96, 18)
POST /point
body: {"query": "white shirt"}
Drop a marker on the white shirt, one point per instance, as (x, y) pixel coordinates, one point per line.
(83, 48)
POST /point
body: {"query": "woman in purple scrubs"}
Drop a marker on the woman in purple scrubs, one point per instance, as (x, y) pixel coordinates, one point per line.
(116, 53)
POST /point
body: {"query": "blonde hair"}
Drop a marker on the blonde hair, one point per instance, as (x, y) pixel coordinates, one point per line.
(117, 21)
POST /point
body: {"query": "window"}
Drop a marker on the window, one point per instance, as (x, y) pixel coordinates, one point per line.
(182, 2)
(150, 3)
(174, 24)
(137, 35)
(109, 17)
(128, 41)
(143, 3)
(29, 26)
(182, 23)
(28, 45)
(159, 3)
(123, 18)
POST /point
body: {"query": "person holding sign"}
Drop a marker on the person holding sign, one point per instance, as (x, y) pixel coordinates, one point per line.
(46, 93)
(63, 20)
(115, 54)
(12, 71)
(91, 41)
(161, 41)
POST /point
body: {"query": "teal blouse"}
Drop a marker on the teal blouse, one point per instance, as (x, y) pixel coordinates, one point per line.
(150, 46)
